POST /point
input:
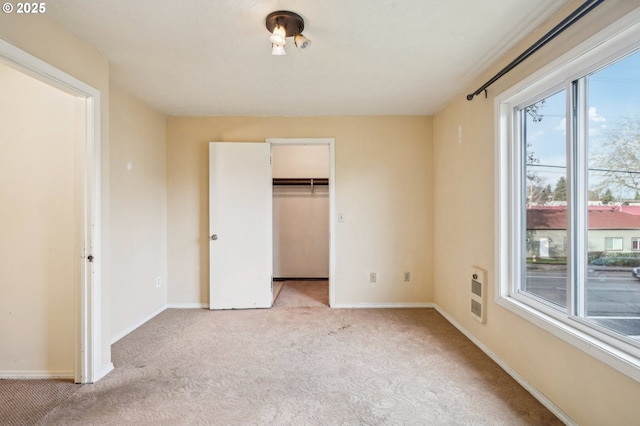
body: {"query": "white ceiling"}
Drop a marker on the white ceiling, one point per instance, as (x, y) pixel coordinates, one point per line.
(367, 57)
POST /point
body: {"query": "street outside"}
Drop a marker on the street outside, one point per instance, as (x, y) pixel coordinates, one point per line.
(612, 294)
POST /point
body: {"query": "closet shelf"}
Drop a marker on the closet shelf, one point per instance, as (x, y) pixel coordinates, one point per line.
(300, 181)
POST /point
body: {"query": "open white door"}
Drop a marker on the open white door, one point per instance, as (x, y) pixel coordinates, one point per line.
(240, 222)
(85, 242)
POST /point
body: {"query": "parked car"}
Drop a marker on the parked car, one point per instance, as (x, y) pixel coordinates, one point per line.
(636, 272)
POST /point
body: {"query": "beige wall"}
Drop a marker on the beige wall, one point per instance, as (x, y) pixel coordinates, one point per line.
(138, 212)
(37, 229)
(48, 41)
(300, 161)
(383, 189)
(588, 390)
(395, 178)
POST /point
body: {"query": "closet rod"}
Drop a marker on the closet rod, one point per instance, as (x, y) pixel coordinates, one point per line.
(300, 181)
(574, 17)
(300, 278)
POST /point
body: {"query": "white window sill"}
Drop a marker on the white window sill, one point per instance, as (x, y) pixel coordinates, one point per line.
(623, 361)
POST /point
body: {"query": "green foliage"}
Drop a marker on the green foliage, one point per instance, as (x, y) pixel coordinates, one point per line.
(560, 193)
(607, 197)
(615, 259)
(592, 255)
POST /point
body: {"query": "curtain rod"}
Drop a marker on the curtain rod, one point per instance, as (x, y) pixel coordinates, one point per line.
(574, 17)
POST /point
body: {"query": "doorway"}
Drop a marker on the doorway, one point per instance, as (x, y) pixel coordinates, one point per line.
(49, 143)
(303, 201)
(240, 218)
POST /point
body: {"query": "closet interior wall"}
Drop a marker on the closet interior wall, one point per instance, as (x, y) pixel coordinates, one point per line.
(301, 212)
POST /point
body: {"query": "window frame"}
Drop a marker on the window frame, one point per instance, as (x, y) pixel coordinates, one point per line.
(635, 240)
(564, 73)
(612, 239)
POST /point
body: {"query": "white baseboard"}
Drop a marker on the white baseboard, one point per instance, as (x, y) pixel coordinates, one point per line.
(106, 370)
(564, 417)
(381, 305)
(128, 330)
(37, 374)
(188, 305)
(338, 306)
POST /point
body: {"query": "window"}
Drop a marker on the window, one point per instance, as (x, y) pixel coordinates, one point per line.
(544, 175)
(613, 243)
(568, 146)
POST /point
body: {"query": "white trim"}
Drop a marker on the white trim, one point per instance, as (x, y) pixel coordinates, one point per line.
(106, 369)
(37, 374)
(599, 50)
(337, 306)
(128, 330)
(37, 68)
(332, 200)
(92, 285)
(383, 305)
(599, 349)
(600, 42)
(557, 411)
(88, 350)
(187, 306)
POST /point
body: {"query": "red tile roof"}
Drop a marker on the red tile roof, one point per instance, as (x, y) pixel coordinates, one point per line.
(634, 210)
(556, 218)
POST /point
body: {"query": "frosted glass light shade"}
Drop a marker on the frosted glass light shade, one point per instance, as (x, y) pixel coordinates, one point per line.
(277, 50)
(301, 41)
(279, 35)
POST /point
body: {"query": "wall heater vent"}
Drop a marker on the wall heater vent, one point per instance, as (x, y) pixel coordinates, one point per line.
(476, 309)
(478, 293)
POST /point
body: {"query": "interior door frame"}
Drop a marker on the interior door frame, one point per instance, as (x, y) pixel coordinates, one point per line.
(332, 200)
(88, 312)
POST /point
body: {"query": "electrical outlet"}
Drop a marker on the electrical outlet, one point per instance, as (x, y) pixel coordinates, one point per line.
(372, 277)
(407, 277)
(158, 282)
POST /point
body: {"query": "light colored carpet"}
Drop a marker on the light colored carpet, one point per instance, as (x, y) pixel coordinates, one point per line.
(277, 288)
(303, 294)
(25, 402)
(301, 366)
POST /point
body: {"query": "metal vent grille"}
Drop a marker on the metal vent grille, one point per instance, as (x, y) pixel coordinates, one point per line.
(478, 294)
(476, 308)
(476, 288)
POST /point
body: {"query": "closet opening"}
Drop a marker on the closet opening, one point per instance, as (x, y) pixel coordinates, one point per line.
(301, 224)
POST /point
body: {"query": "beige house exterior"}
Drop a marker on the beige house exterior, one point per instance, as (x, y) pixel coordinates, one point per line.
(610, 230)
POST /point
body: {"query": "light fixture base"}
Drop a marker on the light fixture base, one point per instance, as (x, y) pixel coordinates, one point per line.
(293, 22)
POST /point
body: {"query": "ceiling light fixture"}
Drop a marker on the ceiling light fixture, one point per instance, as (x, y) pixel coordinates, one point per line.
(301, 41)
(283, 24)
(277, 49)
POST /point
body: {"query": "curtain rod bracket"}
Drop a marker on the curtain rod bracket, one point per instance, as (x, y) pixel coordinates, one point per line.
(470, 96)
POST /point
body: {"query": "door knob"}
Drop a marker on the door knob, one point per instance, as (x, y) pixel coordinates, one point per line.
(214, 237)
